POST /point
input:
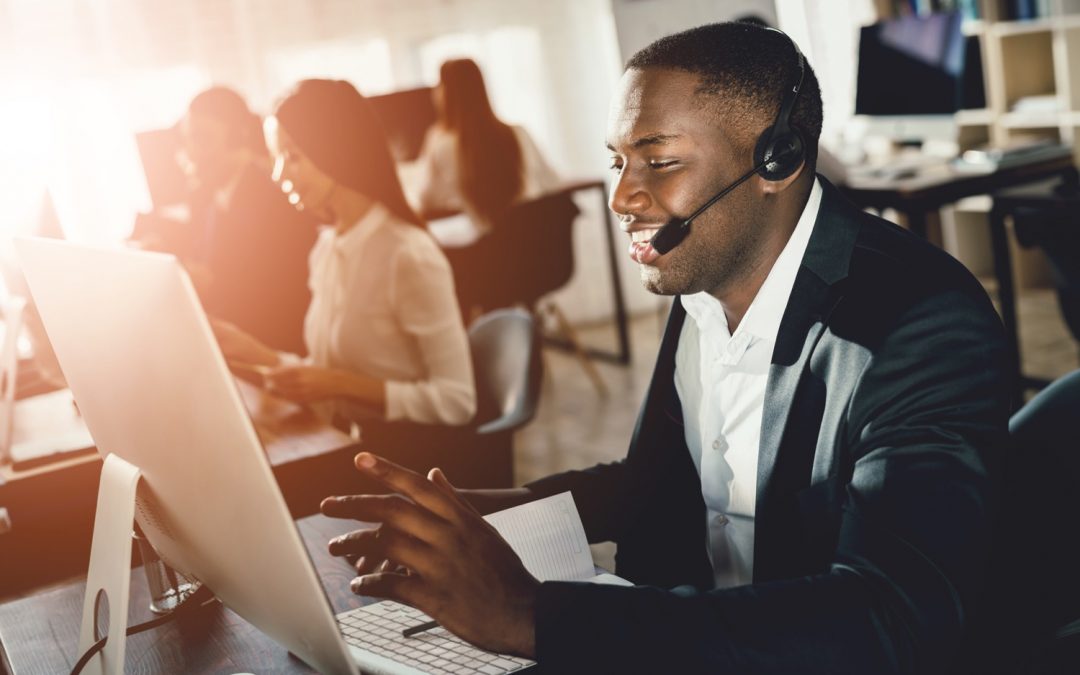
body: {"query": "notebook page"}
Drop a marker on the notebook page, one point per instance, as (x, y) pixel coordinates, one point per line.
(548, 536)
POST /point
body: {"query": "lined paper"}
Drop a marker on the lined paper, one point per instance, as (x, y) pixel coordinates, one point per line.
(548, 536)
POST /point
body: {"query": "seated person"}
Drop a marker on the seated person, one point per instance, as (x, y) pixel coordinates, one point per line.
(383, 333)
(245, 247)
(471, 161)
(810, 484)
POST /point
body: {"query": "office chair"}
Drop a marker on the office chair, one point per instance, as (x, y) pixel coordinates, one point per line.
(1059, 239)
(1031, 610)
(528, 254)
(506, 361)
(505, 350)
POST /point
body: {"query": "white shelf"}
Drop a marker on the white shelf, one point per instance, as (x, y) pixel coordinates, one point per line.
(1007, 29)
(975, 118)
(1017, 120)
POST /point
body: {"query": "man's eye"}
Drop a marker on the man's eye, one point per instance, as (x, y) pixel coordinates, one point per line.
(615, 165)
(662, 163)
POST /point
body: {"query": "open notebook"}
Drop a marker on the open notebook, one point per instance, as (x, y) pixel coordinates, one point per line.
(548, 537)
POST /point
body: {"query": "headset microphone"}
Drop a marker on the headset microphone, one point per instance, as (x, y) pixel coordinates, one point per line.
(672, 233)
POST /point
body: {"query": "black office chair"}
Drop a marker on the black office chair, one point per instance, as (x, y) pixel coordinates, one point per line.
(1059, 238)
(528, 254)
(1032, 600)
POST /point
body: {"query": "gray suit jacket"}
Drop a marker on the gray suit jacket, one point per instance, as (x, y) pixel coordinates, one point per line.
(885, 410)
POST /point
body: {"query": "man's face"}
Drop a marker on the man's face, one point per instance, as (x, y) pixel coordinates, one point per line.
(671, 151)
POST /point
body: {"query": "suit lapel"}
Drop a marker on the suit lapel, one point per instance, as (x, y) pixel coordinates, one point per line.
(816, 291)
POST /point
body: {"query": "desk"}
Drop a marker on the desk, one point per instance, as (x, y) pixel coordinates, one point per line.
(40, 634)
(917, 196)
(51, 508)
(938, 186)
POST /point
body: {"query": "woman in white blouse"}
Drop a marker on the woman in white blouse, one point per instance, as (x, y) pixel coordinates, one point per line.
(471, 161)
(383, 331)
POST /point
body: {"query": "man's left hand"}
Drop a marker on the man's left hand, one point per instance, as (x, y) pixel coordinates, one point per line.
(457, 568)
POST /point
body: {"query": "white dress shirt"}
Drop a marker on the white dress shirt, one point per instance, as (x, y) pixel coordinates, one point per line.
(721, 378)
(383, 304)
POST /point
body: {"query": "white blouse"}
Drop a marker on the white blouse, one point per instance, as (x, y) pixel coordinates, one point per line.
(437, 184)
(383, 304)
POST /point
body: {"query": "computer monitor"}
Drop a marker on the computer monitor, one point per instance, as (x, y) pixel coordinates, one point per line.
(154, 389)
(916, 71)
(405, 116)
(165, 180)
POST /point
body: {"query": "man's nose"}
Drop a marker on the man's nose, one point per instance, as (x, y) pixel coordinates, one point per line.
(628, 197)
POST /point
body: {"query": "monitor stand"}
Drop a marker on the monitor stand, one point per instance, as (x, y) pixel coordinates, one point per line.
(109, 578)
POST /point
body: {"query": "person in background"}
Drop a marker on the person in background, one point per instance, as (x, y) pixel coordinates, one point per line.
(383, 332)
(244, 246)
(471, 160)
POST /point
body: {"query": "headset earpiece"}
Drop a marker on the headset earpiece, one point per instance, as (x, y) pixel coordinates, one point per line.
(780, 149)
(779, 157)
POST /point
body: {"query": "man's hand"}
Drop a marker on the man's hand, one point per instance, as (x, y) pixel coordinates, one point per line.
(457, 567)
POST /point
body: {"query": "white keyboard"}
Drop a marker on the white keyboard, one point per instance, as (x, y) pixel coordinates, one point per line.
(376, 628)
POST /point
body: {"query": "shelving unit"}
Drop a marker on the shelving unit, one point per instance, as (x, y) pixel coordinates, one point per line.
(1023, 60)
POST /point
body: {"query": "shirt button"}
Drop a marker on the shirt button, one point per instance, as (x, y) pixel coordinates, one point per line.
(721, 520)
(716, 444)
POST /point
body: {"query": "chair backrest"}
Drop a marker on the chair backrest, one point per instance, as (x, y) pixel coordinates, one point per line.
(529, 253)
(1033, 586)
(506, 358)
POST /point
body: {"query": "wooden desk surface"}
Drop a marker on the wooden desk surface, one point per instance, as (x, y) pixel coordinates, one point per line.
(52, 507)
(39, 634)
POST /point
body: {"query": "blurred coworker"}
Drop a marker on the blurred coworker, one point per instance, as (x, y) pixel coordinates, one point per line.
(472, 161)
(383, 332)
(245, 247)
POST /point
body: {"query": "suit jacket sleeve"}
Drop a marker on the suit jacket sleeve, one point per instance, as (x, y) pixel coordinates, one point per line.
(922, 426)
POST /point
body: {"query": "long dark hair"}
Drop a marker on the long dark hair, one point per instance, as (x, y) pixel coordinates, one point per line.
(338, 130)
(489, 157)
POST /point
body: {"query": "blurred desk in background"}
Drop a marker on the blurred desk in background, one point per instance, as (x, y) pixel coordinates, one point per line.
(51, 507)
(934, 186)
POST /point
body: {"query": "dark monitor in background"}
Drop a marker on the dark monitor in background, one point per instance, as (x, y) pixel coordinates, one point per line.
(165, 180)
(406, 117)
(918, 65)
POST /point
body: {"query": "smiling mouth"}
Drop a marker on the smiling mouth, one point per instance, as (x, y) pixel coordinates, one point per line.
(641, 250)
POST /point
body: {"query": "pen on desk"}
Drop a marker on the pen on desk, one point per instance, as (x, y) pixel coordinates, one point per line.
(419, 628)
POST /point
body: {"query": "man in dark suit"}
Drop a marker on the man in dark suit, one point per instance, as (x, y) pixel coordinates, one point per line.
(809, 486)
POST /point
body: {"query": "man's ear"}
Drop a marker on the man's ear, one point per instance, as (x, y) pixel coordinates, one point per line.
(776, 187)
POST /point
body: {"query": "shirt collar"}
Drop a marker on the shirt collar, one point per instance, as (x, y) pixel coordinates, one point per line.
(762, 319)
(356, 236)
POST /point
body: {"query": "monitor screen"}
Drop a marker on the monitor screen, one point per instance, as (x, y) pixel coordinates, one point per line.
(406, 117)
(918, 65)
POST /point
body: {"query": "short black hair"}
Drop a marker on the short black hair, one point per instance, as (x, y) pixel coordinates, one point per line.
(746, 68)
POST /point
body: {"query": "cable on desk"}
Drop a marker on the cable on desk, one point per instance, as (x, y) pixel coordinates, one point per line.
(197, 599)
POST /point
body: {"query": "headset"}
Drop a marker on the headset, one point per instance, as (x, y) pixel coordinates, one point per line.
(777, 155)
